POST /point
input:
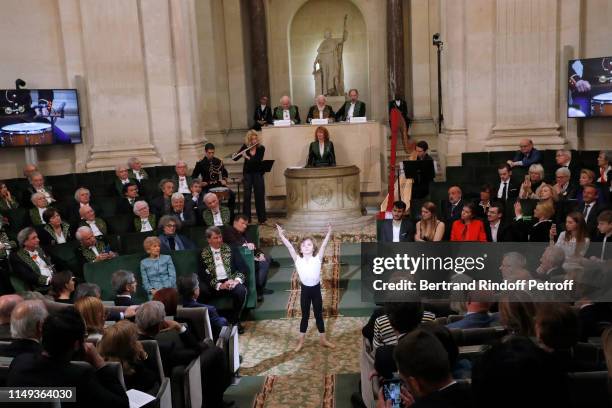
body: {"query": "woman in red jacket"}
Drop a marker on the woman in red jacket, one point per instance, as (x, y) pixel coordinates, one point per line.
(468, 228)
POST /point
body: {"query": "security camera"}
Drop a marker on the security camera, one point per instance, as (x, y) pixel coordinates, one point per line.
(436, 40)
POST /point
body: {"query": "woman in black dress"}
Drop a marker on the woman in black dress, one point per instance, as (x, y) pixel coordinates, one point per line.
(253, 153)
(321, 152)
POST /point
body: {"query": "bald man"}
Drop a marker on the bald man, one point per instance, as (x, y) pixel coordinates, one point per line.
(452, 208)
(7, 304)
(526, 156)
(320, 110)
(28, 169)
(287, 111)
(26, 328)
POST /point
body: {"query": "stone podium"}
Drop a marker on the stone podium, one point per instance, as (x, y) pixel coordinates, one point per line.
(317, 196)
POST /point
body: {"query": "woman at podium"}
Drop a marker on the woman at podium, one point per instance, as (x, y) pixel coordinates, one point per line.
(252, 151)
(321, 151)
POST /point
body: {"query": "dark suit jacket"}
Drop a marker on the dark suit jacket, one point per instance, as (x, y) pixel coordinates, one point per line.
(359, 110)
(403, 108)
(513, 192)
(159, 205)
(316, 160)
(592, 220)
(198, 206)
(94, 388)
(118, 186)
(457, 395)
(165, 246)
(23, 271)
(505, 232)
(202, 170)
(532, 231)
(20, 346)
(26, 198)
(188, 214)
(313, 113)
(295, 117)
(473, 321)
(569, 193)
(175, 349)
(124, 301)
(407, 231)
(534, 157)
(124, 206)
(259, 115)
(591, 316)
(450, 216)
(238, 269)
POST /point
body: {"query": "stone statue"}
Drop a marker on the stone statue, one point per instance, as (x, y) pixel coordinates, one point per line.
(328, 68)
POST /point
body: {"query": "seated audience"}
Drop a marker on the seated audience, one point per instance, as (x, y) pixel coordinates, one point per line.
(477, 316)
(197, 199)
(532, 182)
(507, 190)
(526, 156)
(482, 204)
(89, 219)
(287, 111)
(425, 369)
(92, 250)
(169, 298)
(189, 289)
(235, 236)
(30, 264)
(604, 166)
(82, 197)
(429, 228)
(546, 192)
(224, 273)
(496, 228)
(564, 188)
(181, 180)
(62, 287)
(452, 210)
(135, 169)
(403, 315)
(91, 310)
(468, 228)
(27, 320)
(593, 316)
(587, 178)
(120, 343)
(129, 196)
(513, 267)
(62, 337)
(563, 158)
(321, 152)
(182, 210)
(55, 231)
(398, 229)
(123, 178)
(86, 289)
(590, 208)
(7, 200)
(7, 245)
(37, 185)
(551, 264)
(28, 169)
(124, 285)
(170, 239)
(320, 110)
(351, 108)
(178, 348)
(574, 241)
(7, 304)
(144, 220)
(536, 229)
(517, 312)
(157, 271)
(36, 212)
(603, 251)
(215, 214)
(162, 205)
(516, 373)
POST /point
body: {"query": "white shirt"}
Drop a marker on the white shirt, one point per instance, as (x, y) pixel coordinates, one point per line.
(94, 250)
(219, 268)
(40, 212)
(45, 270)
(47, 195)
(309, 270)
(494, 229)
(397, 225)
(321, 148)
(351, 110)
(397, 102)
(569, 247)
(145, 225)
(500, 192)
(94, 228)
(286, 114)
(262, 107)
(321, 112)
(82, 205)
(587, 211)
(217, 218)
(125, 181)
(183, 188)
(60, 238)
(138, 175)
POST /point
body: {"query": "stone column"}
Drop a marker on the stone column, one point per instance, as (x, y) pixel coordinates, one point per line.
(259, 49)
(395, 47)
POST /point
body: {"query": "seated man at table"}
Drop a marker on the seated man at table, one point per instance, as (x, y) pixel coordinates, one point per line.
(263, 114)
(398, 229)
(30, 263)
(235, 236)
(287, 111)
(321, 152)
(182, 209)
(89, 219)
(351, 108)
(224, 273)
(320, 110)
(92, 250)
(215, 214)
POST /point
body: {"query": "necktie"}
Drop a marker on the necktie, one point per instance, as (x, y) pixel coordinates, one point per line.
(171, 243)
(586, 211)
(505, 191)
(453, 210)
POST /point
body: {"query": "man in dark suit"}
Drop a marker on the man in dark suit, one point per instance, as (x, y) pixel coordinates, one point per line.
(182, 209)
(424, 367)
(181, 179)
(26, 326)
(37, 185)
(590, 208)
(123, 178)
(63, 335)
(320, 110)
(213, 174)
(30, 264)
(551, 264)
(507, 191)
(197, 199)
(130, 195)
(565, 189)
(287, 111)
(352, 108)
(601, 245)
(162, 204)
(563, 157)
(477, 315)
(7, 305)
(452, 209)
(263, 114)
(496, 229)
(400, 104)
(526, 156)
(398, 229)
(420, 188)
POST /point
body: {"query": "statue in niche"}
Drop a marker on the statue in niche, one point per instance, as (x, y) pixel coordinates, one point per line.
(328, 68)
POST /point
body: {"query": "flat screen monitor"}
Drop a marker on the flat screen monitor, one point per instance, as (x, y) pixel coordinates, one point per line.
(39, 117)
(589, 88)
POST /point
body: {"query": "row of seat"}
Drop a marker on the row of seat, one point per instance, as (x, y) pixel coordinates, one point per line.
(469, 159)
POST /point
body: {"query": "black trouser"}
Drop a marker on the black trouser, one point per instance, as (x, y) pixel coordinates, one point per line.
(254, 181)
(261, 274)
(238, 295)
(311, 294)
(212, 360)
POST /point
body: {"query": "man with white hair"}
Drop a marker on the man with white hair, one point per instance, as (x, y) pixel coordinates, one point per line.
(513, 267)
(27, 319)
(30, 264)
(320, 110)
(123, 177)
(551, 264)
(287, 111)
(92, 250)
(215, 214)
(182, 209)
(28, 169)
(7, 305)
(144, 220)
(136, 171)
(89, 219)
(37, 185)
(563, 157)
(181, 179)
(563, 186)
(82, 197)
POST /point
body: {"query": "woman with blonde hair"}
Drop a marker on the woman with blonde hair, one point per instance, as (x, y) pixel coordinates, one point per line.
(429, 228)
(252, 151)
(120, 343)
(539, 229)
(91, 310)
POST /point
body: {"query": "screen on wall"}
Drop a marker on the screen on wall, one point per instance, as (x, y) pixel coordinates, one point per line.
(589, 88)
(39, 117)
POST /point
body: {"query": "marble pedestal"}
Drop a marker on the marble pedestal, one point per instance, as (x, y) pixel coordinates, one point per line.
(318, 196)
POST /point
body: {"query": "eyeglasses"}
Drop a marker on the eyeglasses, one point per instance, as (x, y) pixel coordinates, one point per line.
(171, 225)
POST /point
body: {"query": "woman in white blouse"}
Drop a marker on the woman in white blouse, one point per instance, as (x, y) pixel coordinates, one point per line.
(574, 240)
(56, 231)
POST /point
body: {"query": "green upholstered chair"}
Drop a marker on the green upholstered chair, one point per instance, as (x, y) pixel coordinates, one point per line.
(64, 257)
(18, 219)
(131, 243)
